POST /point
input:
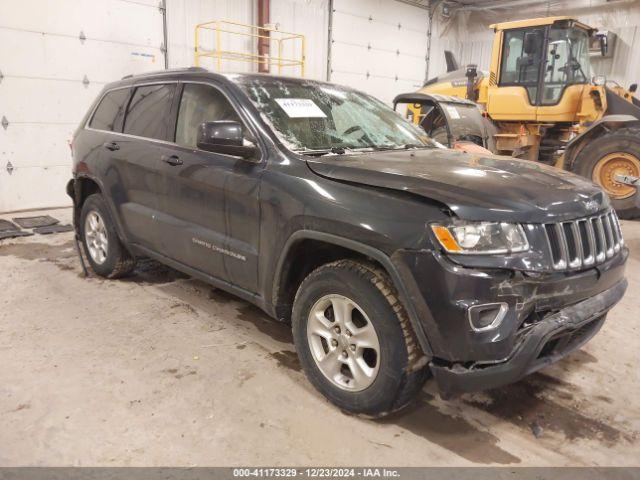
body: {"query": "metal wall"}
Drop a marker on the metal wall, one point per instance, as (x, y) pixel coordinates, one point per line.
(310, 18)
(378, 46)
(466, 32)
(184, 15)
(55, 58)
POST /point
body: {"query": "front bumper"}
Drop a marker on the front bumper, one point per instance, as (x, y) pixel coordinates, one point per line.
(542, 308)
(543, 343)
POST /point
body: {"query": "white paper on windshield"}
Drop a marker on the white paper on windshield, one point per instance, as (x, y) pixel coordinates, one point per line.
(300, 108)
(453, 112)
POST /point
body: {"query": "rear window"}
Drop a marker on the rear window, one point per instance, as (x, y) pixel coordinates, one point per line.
(110, 113)
(149, 112)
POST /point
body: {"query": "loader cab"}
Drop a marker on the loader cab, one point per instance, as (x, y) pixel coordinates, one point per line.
(541, 67)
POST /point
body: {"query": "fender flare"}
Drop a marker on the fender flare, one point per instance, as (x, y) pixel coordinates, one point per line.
(379, 256)
(608, 122)
(112, 210)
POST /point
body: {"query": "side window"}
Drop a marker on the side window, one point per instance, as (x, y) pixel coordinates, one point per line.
(519, 67)
(110, 113)
(149, 112)
(200, 103)
(511, 54)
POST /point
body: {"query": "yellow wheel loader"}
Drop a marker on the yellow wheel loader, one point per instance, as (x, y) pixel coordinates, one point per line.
(539, 102)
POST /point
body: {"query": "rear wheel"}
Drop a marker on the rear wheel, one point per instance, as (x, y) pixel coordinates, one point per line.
(354, 340)
(615, 152)
(104, 251)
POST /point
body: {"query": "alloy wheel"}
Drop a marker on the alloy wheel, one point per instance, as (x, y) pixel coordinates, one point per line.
(343, 342)
(96, 239)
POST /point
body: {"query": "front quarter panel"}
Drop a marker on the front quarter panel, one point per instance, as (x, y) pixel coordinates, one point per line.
(293, 198)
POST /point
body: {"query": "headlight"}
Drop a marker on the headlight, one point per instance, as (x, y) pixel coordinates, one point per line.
(481, 237)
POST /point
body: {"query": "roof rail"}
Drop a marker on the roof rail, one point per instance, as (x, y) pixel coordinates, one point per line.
(160, 72)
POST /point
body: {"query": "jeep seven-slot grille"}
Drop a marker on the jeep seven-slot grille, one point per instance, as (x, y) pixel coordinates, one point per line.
(584, 242)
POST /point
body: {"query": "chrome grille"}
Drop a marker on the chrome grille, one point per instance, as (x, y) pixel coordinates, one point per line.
(584, 242)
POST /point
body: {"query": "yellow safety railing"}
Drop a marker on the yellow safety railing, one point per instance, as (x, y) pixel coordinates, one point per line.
(277, 37)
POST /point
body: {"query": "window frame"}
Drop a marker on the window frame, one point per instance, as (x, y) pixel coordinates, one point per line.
(247, 120)
(542, 64)
(537, 102)
(97, 104)
(134, 89)
(543, 82)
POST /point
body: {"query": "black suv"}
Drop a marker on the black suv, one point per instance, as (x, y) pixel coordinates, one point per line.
(392, 257)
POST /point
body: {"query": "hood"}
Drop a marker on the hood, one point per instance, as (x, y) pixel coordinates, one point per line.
(488, 188)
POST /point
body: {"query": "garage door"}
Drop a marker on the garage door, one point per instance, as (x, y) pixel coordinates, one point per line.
(55, 58)
(378, 46)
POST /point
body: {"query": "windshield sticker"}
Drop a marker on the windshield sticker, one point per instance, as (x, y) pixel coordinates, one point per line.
(300, 108)
(453, 112)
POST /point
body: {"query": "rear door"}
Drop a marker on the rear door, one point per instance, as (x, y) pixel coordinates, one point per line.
(210, 210)
(133, 171)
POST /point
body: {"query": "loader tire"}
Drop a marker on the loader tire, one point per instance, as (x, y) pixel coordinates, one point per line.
(614, 152)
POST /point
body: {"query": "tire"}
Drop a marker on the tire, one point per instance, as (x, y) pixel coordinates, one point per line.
(400, 362)
(112, 261)
(625, 141)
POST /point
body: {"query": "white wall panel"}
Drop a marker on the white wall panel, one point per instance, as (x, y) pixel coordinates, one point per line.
(184, 15)
(35, 187)
(378, 46)
(311, 19)
(42, 94)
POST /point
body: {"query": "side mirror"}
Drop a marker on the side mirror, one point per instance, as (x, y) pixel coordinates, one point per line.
(224, 136)
(604, 45)
(531, 42)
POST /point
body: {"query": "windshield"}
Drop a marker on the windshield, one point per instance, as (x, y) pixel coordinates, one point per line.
(567, 61)
(313, 117)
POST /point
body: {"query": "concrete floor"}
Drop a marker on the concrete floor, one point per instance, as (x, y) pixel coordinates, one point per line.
(160, 369)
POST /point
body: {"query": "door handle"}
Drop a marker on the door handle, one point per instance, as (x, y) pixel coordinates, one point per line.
(111, 146)
(172, 160)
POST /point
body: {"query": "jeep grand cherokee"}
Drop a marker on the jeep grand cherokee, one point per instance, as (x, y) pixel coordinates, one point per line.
(392, 258)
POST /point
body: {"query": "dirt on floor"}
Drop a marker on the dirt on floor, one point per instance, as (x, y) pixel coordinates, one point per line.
(160, 369)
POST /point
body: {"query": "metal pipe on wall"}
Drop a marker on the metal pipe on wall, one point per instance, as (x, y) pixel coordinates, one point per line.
(163, 10)
(330, 40)
(429, 34)
(263, 43)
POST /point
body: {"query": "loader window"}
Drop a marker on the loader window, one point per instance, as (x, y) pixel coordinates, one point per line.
(567, 62)
(519, 66)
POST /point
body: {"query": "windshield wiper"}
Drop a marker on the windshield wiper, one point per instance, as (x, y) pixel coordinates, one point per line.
(407, 146)
(324, 151)
(364, 148)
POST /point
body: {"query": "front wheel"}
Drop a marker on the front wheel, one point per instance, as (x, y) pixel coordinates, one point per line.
(615, 152)
(354, 339)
